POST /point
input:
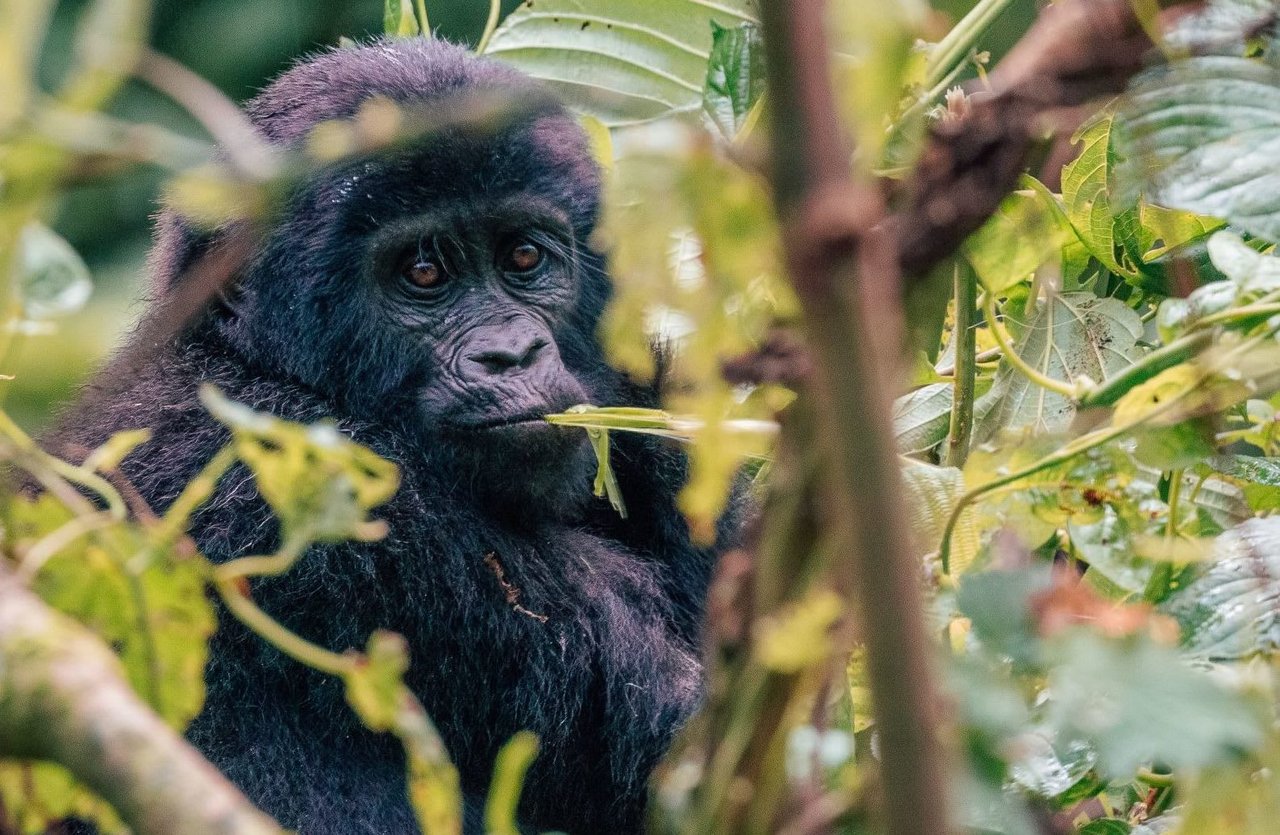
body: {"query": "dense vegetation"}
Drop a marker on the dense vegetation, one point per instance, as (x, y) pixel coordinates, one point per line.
(1052, 608)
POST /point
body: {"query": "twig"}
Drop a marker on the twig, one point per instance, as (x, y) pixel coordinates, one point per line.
(219, 115)
(1077, 51)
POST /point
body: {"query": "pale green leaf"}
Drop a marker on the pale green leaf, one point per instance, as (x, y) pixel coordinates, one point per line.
(1248, 269)
(621, 61)
(1072, 335)
(931, 496)
(1023, 234)
(922, 417)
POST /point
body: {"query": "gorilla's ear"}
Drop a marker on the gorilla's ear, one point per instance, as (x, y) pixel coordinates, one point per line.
(177, 247)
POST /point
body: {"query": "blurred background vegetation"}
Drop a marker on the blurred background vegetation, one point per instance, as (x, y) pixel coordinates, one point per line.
(238, 45)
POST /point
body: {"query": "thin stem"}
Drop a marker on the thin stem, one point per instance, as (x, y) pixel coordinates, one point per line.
(196, 493)
(57, 539)
(1023, 367)
(90, 481)
(420, 10)
(490, 25)
(950, 51)
(1175, 492)
(964, 341)
(269, 565)
(271, 631)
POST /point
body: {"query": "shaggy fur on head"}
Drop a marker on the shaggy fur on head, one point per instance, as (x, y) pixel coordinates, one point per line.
(609, 669)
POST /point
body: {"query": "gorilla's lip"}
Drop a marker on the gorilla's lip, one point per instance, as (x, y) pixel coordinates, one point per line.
(506, 421)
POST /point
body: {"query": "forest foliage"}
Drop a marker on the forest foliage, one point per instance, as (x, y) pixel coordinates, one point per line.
(1088, 418)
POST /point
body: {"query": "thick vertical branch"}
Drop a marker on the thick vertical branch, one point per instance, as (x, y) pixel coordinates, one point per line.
(841, 264)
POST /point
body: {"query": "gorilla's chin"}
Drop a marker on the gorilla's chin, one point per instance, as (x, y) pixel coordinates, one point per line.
(523, 466)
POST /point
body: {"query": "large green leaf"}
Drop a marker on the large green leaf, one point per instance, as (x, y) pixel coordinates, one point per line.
(932, 494)
(1204, 135)
(1086, 189)
(619, 60)
(1073, 335)
(1231, 610)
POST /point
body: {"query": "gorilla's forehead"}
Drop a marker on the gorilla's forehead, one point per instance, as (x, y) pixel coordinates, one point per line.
(545, 162)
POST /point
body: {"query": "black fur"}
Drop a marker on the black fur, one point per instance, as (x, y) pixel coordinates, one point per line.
(612, 672)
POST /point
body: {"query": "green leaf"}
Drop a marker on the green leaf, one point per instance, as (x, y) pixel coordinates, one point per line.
(1023, 234)
(997, 604)
(1249, 270)
(1049, 768)
(1228, 610)
(1073, 335)
(39, 797)
(1106, 826)
(620, 61)
(1138, 702)
(1087, 192)
(932, 494)
(318, 482)
(398, 19)
(735, 76)
(151, 608)
(54, 280)
(922, 417)
(1203, 135)
(1262, 477)
(1107, 547)
(1220, 27)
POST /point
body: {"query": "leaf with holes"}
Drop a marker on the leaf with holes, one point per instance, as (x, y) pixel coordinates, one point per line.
(622, 62)
(1072, 335)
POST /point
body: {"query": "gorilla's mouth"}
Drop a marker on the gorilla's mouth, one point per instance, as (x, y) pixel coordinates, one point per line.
(527, 418)
(524, 419)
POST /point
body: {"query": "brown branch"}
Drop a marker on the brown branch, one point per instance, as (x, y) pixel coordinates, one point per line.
(845, 272)
(63, 698)
(1077, 51)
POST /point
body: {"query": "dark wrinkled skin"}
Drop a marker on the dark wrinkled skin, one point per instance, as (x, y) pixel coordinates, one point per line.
(322, 323)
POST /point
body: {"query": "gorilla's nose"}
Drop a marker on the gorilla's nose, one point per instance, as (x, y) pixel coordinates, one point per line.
(502, 349)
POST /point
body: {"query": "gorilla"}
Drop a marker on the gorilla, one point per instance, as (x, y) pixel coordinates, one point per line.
(435, 299)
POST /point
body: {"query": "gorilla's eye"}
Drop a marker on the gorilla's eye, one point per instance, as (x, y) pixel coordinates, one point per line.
(424, 272)
(524, 257)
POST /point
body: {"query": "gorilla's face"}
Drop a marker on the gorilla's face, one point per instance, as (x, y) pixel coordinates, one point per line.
(483, 288)
(447, 289)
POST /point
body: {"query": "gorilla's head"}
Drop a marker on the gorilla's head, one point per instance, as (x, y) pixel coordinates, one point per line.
(447, 286)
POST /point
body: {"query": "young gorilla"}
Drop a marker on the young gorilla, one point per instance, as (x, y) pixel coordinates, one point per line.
(437, 301)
